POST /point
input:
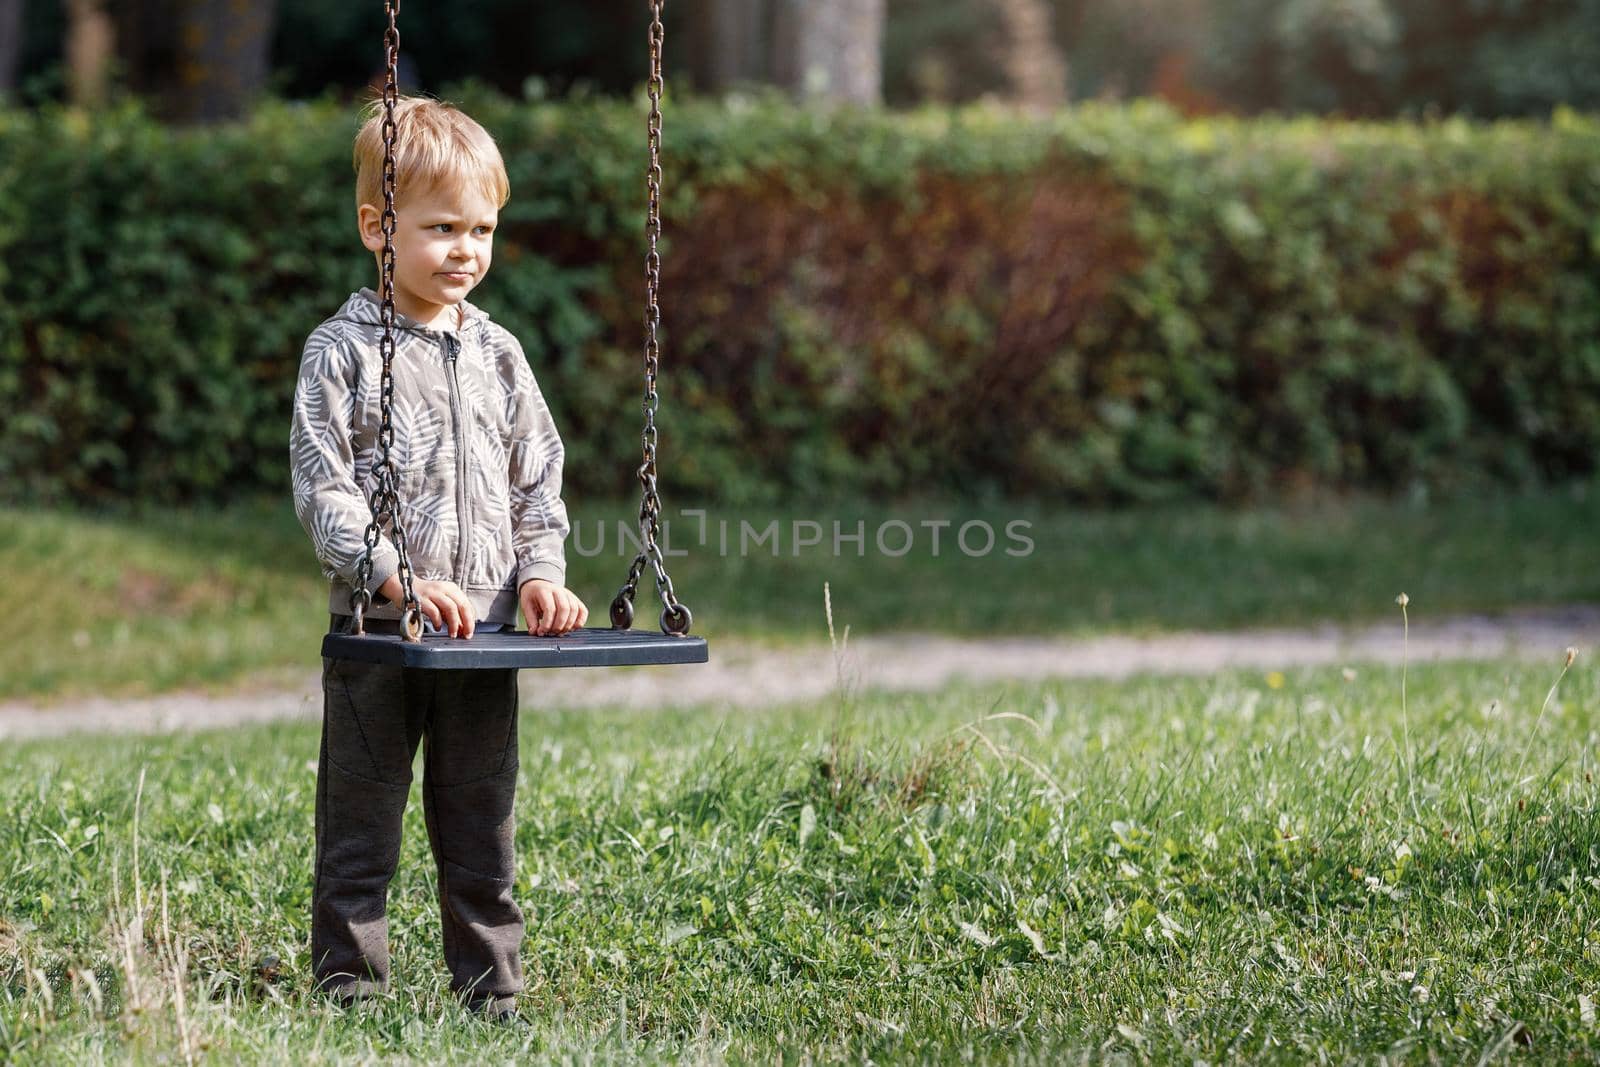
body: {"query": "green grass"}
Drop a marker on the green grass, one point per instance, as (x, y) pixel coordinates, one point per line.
(1246, 868)
(162, 599)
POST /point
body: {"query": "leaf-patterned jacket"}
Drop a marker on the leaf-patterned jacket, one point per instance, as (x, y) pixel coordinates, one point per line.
(476, 452)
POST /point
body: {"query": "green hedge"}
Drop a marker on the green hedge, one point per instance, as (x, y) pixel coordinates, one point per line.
(1113, 304)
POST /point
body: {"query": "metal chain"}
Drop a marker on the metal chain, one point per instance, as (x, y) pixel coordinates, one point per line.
(385, 499)
(675, 617)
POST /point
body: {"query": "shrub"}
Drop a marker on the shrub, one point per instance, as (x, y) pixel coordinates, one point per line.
(1112, 304)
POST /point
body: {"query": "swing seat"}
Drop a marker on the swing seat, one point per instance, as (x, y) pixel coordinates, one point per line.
(584, 647)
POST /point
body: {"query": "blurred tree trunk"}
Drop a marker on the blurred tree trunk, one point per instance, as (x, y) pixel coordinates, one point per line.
(726, 43)
(91, 42)
(830, 49)
(223, 55)
(1028, 54)
(10, 44)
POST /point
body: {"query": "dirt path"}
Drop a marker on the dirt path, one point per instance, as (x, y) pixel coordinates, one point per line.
(744, 675)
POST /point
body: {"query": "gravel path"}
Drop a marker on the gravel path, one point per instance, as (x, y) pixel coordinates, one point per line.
(746, 675)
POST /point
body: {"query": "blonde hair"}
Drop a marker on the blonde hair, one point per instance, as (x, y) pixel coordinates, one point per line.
(436, 146)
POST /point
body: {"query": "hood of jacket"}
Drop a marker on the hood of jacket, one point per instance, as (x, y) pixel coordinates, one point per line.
(365, 307)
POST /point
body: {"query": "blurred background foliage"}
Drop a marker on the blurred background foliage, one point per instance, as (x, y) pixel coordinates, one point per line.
(1110, 303)
(1141, 250)
(1368, 58)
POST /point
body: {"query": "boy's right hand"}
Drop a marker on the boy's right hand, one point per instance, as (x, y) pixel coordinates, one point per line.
(442, 602)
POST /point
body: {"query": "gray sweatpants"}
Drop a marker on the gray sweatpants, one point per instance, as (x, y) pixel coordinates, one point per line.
(373, 718)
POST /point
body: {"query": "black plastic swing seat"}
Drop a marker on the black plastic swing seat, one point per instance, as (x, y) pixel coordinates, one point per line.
(584, 647)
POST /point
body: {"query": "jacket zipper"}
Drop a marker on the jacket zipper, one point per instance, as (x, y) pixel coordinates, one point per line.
(452, 348)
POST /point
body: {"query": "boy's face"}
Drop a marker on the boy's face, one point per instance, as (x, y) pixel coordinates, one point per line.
(443, 242)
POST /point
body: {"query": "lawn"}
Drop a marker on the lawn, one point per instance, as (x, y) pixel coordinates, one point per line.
(154, 600)
(1245, 868)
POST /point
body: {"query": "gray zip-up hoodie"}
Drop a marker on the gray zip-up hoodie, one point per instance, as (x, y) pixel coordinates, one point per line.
(476, 453)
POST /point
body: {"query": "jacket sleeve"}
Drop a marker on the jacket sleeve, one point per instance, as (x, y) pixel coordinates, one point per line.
(327, 499)
(539, 523)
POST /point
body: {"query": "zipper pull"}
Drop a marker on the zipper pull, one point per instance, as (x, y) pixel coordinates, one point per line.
(452, 346)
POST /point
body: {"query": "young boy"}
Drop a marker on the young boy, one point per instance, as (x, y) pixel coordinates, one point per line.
(478, 462)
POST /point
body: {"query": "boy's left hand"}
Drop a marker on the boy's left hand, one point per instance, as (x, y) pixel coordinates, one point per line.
(551, 609)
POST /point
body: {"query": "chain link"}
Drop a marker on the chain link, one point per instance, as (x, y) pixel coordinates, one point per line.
(675, 617)
(385, 499)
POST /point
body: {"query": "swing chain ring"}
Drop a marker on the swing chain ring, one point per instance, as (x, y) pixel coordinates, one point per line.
(360, 601)
(650, 502)
(676, 620)
(411, 625)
